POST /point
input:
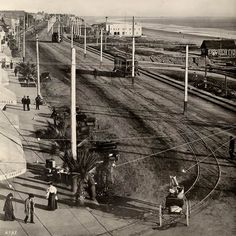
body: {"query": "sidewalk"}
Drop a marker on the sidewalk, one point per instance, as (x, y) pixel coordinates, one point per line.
(67, 220)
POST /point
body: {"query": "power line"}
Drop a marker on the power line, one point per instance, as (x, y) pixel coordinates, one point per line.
(172, 148)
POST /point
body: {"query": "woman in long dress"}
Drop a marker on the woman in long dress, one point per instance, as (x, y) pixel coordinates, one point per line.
(8, 208)
(52, 197)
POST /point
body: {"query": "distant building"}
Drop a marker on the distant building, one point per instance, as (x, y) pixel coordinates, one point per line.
(123, 30)
(218, 48)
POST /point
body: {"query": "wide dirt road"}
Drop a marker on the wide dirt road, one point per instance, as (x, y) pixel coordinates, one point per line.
(155, 139)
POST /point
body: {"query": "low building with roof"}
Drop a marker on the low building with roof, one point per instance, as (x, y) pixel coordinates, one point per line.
(218, 48)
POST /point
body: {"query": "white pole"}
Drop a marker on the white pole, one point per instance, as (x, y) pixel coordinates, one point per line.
(24, 40)
(186, 82)
(73, 105)
(48, 25)
(101, 48)
(133, 52)
(38, 74)
(106, 34)
(71, 41)
(85, 39)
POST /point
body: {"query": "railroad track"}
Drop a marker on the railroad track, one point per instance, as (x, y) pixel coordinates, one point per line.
(200, 173)
(179, 85)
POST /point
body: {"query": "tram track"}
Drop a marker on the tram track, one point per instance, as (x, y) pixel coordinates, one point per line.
(192, 90)
(137, 222)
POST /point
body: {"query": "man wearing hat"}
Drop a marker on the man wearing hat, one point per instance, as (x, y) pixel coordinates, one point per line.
(29, 208)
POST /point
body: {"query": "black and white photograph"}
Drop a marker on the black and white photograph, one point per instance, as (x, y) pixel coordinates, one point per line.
(117, 118)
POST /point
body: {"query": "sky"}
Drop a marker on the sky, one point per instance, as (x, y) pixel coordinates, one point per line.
(152, 8)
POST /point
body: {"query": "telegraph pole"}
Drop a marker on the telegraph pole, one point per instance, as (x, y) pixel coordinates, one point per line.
(38, 74)
(72, 35)
(133, 52)
(205, 78)
(73, 105)
(101, 48)
(106, 34)
(24, 40)
(186, 82)
(85, 38)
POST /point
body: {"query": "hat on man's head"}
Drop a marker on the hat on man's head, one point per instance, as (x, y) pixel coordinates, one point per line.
(31, 195)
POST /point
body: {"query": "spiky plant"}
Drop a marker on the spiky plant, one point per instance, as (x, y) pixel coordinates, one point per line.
(27, 70)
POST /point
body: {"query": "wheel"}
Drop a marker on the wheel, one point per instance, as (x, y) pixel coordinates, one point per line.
(160, 216)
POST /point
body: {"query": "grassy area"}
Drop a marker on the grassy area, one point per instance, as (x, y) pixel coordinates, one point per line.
(215, 85)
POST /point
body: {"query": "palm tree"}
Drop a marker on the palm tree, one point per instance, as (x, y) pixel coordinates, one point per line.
(27, 70)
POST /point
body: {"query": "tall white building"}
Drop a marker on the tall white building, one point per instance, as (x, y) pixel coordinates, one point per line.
(124, 29)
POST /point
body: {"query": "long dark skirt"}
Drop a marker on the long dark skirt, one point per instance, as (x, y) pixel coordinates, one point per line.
(52, 202)
(9, 212)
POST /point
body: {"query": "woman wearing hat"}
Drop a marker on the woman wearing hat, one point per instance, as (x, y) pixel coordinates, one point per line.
(8, 208)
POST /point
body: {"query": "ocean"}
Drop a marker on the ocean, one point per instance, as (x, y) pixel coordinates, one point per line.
(217, 27)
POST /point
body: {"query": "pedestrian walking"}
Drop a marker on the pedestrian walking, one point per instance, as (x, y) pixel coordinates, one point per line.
(15, 71)
(28, 103)
(8, 208)
(231, 147)
(52, 197)
(11, 65)
(29, 208)
(23, 101)
(37, 102)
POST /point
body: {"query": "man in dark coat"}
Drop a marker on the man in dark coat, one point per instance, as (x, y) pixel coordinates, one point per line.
(15, 71)
(29, 208)
(37, 102)
(28, 103)
(23, 101)
(8, 208)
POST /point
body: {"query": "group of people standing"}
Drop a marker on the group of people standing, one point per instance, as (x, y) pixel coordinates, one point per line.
(26, 102)
(29, 205)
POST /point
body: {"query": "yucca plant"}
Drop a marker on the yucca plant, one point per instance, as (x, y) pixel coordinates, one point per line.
(27, 70)
(80, 167)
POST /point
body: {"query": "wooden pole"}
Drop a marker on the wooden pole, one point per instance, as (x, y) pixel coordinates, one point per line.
(186, 82)
(101, 48)
(106, 34)
(72, 35)
(226, 86)
(38, 72)
(133, 52)
(24, 40)
(85, 35)
(73, 105)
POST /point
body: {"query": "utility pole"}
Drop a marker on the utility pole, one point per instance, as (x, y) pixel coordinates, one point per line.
(205, 78)
(133, 51)
(18, 36)
(186, 82)
(24, 40)
(80, 28)
(27, 20)
(85, 39)
(38, 74)
(226, 87)
(73, 105)
(106, 34)
(72, 35)
(101, 48)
